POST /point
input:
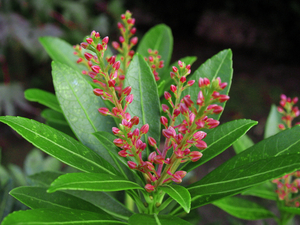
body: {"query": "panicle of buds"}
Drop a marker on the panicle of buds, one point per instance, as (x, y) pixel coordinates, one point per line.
(288, 110)
(155, 62)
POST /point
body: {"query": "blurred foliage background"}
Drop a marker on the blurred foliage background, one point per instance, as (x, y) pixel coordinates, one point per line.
(264, 36)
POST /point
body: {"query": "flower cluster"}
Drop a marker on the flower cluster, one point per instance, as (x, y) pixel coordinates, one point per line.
(289, 184)
(154, 62)
(185, 118)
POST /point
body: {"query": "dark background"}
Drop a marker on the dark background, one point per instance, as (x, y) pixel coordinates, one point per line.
(263, 35)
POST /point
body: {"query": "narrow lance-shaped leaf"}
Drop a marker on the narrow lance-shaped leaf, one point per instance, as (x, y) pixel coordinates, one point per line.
(221, 138)
(145, 102)
(246, 175)
(37, 197)
(265, 190)
(80, 107)
(243, 208)
(273, 120)
(92, 182)
(180, 194)
(143, 219)
(58, 145)
(58, 216)
(242, 144)
(158, 38)
(43, 97)
(292, 210)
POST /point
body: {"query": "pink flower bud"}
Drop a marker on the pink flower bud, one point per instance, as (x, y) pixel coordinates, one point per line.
(183, 109)
(115, 45)
(164, 107)
(79, 60)
(223, 98)
(131, 21)
(116, 65)
(159, 159)
(118, 142)
(181, 173)
(136, 132)
(105, 40)
(151, 156)
(149, 188)
(164, 121)
(176, 178)
(295, 100)
(201, 145)
(179, 154)
(98, 91)
(167, 95)
(151, 141)
(132, 165)
(212, 123)
(84, 45)
(133, 30)
(131, 53)
(281, 127)
(199, 135)
(176, 112)
(121, 39)
(145, 129)
(134, 40)
(135, 120)
(111, 83)
(190, 82)
(115, 130)
(172, 74)
(180, 64)
(95, 68)
(174, 68)
(195, 156)
(88, 56)
(182, 79)
(103, 111)
(89, 40)
(187, 101)
(173, 88)
(123, 17)
(129, 98)
(99, 47)
(127, 90)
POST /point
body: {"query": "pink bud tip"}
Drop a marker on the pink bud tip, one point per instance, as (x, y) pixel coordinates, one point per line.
(182, 79)
(201, 145)
(190, 82)
(174, 69)
(134, 40)
(111, 83)
(95, 68)
(103, 111)
(149, 188)
(116, 65)
(79, 60)
(145, 129)
(167, 95)
(199, 135)
(88, 56)
(132, 165)
(105, 40)
(115, 130)
(164, 121)
(180, 64)
(115, 45)
(281, 127)
(164, 107)
(133, 30)
(129, 98)
(121, 39)
(84, 45)
(195, 156)
(89, 40)
(173, 88)
(151, 141)
(135, 120)
(99, 47)
(98, 91)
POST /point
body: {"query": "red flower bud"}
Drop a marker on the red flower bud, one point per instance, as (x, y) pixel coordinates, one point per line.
(164, 121)
(173, 88)
(121, 39)
(136, 132)
(95, 68)
(84, 45)
(149, 188)
(129, 98)
(135, 120)
(115, 130)
(182, 79)
(118, 142)
(190, 82)
(223, 98)
(105, 40)
(132, 165)
(133, 30)
(103, 111)
(195, 156)
(167, 95)
(89, 40)
(127, 90)
(115, 45)
(123, 153)
(151, 156)
(134, 40)
(199, 135)
(174, 68)
(88, 56)
(111, 83)
(201, 145)
(164, 107)
(145, 129)
(98, 91)
(151, 141)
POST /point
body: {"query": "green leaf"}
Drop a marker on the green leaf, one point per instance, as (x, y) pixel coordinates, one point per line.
(243, 208)
(54, 117)
(37, 197)
(221, 138)
(285, 142)
(145, 103)
(242, 143)
(180, 194)
(273, 120)
(58, 216)
(265, 190)
(58, 145)
(145, 219)
(92, 182)
(45, 178)
(220, 65)
(80, 107)
(61, 51)
(166, 78)
(7, 201)
(158, 38)
(246, 175)
(292, 210)
(43, 97)
(103, 201)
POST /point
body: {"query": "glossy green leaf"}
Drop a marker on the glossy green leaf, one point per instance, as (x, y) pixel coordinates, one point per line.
(37, 197)
(7, 201)
(92, 182)
(265, 190)
(221, 138)
(243, 208)
(145, 219)
(45, 178)
(158, 38)
(80, 107)
(285, 142)
(180, 194)
(43, 97)
(58, 145)
(58, 217)
(242, 144)
(292, 210)
(145, 103)
(220, 65)
(54, 117)
(166, 78)
(61, 51)
(273, 120)
(246, 175)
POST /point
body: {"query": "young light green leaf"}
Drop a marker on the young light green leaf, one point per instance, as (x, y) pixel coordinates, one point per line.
(273, 120)
(103, 201)
(146, 103)
(158, 38)
(265, 190)
(245, 176)
(37, 197)
(180, 194)
(242, 143)
(92, 182)
(61, 51)
(80, 107)
(143, 219)
(57, 217)
(166, 78)
(221, 138)
(243, 208)
(58, 145)
(43, 97)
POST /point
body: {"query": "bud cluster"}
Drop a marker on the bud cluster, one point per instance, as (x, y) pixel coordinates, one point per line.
(288, 110)
(126, 40)
(154, 62)
(290, 183)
